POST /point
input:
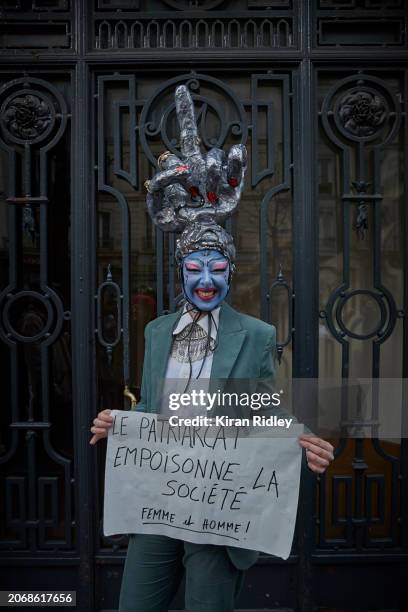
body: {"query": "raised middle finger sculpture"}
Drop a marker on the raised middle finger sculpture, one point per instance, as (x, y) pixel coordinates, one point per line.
(194, 185)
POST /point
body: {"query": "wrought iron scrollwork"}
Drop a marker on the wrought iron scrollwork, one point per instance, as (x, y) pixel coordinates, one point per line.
(334, 313)
(280, 281)
(33, 119)
(179, 32)
(360, 115)
(109, 320)
(200, 5)
(156, 123)
(49, 327)
(361, 111)
(261, 100)
(361, 223)
(33, 116)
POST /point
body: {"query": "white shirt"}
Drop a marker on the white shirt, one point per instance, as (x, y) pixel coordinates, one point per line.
(178, 372)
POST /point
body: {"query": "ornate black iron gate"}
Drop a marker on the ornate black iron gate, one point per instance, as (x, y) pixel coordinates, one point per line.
(317, 91)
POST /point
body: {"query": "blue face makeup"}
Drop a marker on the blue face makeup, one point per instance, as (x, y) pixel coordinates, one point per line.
(205, 275)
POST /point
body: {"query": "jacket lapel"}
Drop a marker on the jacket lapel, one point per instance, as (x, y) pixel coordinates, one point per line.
(230, 339)
(162, 338)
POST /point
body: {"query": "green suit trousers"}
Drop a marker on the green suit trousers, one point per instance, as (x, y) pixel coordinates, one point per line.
(155, 566)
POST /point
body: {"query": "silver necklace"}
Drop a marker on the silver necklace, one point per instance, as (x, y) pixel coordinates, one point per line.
(191, 344)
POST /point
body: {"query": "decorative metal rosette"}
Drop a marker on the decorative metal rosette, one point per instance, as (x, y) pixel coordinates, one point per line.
(360, 108)
(26, 116)
(361, 112)
(31, 112)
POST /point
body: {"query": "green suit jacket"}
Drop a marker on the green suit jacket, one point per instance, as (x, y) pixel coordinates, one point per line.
(246, 349)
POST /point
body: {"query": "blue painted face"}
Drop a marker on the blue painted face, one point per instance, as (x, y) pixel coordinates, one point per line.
(205, 275)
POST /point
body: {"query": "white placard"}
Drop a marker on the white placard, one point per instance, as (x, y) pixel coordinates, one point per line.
(222, 485)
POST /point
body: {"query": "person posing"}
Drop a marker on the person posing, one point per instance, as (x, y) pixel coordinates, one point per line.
(206, 339)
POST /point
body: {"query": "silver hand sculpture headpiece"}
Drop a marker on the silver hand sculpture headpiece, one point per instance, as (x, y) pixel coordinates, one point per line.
(196, 192)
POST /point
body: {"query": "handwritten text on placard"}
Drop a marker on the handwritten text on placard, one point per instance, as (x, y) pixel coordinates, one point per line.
(217, 485)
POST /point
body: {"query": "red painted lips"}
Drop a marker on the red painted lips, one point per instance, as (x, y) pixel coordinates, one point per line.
(206, 294)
